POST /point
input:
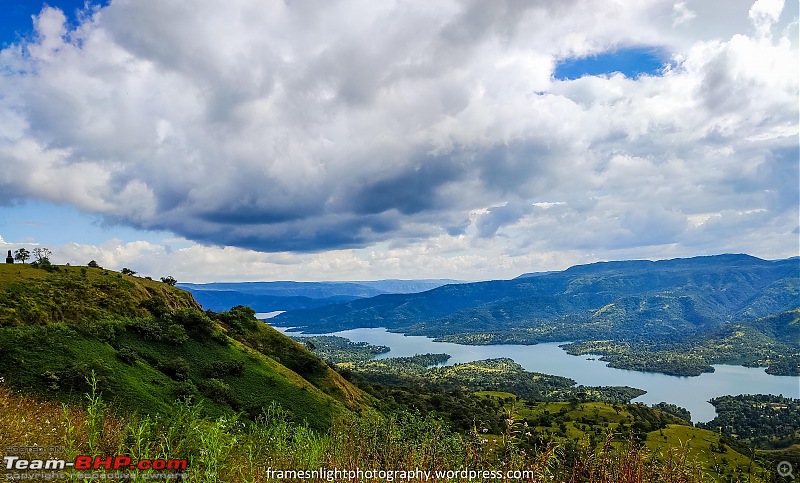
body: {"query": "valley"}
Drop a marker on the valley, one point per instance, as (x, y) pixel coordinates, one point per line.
(692, 393)
(675, 317)
(116, 363)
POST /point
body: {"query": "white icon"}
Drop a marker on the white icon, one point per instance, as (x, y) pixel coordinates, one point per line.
(785, 469)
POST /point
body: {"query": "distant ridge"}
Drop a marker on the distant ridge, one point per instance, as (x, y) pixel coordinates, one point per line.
(653, 305)
(288, 295)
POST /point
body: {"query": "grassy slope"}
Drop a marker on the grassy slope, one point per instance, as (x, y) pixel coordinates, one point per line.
(57, 327)
(701, 446)
(33, 296)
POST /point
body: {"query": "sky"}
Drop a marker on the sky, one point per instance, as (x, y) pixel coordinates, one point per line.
(362, 140)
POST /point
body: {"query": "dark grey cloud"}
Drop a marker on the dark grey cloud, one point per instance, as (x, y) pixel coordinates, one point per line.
(415, 188)
(499, 216)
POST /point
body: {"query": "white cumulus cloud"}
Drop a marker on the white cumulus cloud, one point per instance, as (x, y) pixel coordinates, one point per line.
(415, 130)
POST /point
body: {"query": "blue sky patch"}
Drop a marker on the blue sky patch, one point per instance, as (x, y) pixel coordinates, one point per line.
(51, 224)
(632, 62)
(16, 22)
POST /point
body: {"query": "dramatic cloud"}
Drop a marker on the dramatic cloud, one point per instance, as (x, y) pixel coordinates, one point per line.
(415, 129)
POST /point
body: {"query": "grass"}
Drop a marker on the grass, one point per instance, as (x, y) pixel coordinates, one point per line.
(703, 447)
(148, 343)
(37, 297)
(229, 449)
(596, 425)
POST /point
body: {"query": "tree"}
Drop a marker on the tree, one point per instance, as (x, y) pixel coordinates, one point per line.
(128, 271)
(94, 264)
(42, 254)
(169, 280)
(21, 255)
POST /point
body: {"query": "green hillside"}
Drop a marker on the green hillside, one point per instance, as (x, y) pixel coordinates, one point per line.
(600, 425)
(148, 344)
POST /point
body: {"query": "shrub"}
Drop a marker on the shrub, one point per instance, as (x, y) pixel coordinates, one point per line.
(194, 321)
(240, 318)
(185, 390)
(217, 391)
(156, 306)
(176, 334)
(104, 329)
(127, 355)
(148, 328)
(177, 369)
(219, 337)
(218, 369)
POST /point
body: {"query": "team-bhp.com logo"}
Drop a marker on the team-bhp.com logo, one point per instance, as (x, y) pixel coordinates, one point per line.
(86, 463)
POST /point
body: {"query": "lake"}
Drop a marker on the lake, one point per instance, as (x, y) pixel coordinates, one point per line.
(691, 393)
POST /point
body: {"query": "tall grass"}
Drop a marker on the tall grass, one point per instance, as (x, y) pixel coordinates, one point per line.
(236, 450)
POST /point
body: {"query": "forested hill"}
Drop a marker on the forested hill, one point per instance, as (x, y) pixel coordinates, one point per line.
(641, 302)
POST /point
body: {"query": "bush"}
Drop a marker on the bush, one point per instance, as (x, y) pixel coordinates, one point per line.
(240, 318)
(177, 369)
(156, 306)
(104, 329)
(75, 376)
(217, 391)
(127, 355)
(218, 369)
(176, 334)
(194, 321)
(148, 328)
(185, 390)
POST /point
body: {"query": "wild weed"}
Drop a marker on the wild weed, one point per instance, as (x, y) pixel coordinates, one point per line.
(95, 409)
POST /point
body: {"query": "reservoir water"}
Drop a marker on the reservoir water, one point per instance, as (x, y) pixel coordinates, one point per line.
(691, 393)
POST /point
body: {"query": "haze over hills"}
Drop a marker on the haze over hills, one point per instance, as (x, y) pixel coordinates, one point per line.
(649, 307)
(286, 295)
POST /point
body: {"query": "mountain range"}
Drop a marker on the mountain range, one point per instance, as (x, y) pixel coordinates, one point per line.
(287, 295)
(646, 306)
